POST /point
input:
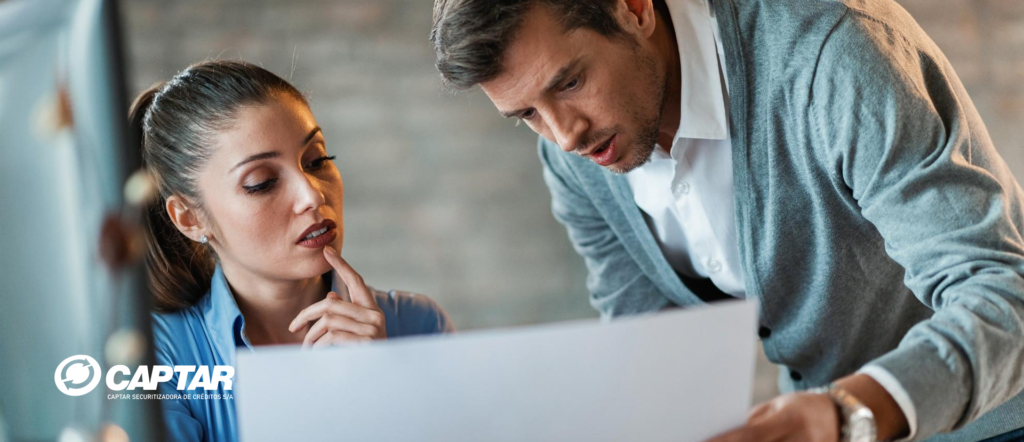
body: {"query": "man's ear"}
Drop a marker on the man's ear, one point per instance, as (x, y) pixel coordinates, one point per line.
(184, 217)
(636, 17)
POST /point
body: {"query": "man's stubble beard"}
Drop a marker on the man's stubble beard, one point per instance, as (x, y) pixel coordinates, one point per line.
(649, 126)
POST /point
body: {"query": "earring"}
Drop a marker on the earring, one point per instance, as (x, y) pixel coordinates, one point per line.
(202, 239)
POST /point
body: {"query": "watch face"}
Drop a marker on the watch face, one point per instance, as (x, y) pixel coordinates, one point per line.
(862, 428)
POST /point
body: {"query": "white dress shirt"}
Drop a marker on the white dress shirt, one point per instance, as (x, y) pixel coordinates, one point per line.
(686, 192)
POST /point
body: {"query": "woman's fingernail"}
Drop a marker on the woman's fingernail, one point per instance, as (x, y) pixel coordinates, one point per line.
(330, 250)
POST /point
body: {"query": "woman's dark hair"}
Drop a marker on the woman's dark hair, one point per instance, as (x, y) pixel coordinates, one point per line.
(175, 122)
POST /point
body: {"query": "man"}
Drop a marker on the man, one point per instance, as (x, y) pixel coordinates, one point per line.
(819, 156)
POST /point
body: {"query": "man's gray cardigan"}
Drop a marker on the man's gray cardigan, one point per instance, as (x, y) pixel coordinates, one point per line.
(876, 222)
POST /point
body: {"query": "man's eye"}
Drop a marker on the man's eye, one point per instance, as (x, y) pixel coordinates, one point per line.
(572, 84)
(525, 116)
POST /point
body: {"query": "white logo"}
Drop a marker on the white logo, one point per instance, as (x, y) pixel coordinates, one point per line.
(75, 371)
(80, 374)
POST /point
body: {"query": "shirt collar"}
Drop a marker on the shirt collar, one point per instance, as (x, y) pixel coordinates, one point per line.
(225, 320)
(701, 98)
(222, 316)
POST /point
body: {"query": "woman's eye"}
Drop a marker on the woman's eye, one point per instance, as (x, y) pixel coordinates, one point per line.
(261, 187)
(318, 163)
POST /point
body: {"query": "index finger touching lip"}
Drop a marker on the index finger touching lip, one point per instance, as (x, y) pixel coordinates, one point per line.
(340, 266)
(357, 288)
(332, 258)
(347, 273)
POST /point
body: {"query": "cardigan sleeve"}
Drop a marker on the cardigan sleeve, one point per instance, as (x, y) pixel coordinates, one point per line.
(616, 283)
(914, 154)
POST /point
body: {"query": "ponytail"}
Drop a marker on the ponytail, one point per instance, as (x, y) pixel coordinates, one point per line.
(178, 270)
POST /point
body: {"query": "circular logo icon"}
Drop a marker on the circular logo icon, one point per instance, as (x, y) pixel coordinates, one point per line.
(77, 375)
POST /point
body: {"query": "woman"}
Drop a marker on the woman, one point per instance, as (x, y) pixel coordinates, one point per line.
(248, 229)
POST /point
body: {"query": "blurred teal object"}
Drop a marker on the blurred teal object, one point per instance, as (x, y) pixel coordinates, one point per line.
(63, 164)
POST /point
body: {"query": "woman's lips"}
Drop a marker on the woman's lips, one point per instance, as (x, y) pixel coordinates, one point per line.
(321, 240)
(326, 238)
(607, 156)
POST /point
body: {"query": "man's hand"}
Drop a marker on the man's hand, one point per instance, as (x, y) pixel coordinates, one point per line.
(814, 417)
(804, 417)
(337, 321)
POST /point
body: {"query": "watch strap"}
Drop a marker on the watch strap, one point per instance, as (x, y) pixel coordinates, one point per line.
(857, 422)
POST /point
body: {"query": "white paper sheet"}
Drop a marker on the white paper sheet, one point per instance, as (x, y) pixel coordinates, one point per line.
(678, 376)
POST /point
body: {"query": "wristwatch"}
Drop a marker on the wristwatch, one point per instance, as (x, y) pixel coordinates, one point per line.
(856, 421)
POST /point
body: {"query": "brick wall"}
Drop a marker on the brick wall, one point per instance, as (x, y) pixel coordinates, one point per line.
(443, 196)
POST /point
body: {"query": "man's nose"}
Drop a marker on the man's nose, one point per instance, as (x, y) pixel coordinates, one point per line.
(568, 129)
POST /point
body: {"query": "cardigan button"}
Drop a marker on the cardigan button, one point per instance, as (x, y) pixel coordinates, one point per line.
(764, 332)
(795, 375)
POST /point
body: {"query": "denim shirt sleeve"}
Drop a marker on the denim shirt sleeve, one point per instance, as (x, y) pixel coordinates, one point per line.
(410, 314)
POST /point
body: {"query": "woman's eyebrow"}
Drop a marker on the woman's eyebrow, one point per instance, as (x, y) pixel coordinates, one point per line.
(312, 134)
(259, 156)
(273, 154)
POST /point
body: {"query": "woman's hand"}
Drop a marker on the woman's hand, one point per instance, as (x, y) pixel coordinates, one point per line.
(338, 321)
(792, 417)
